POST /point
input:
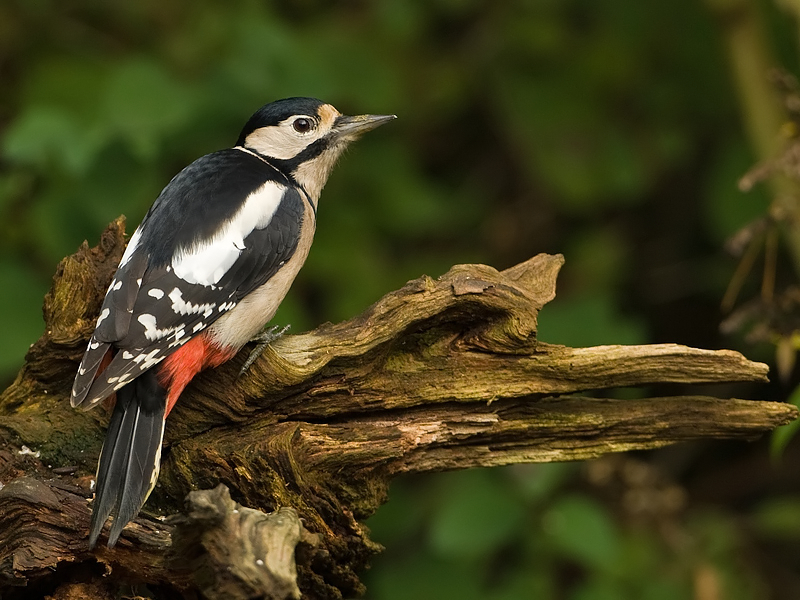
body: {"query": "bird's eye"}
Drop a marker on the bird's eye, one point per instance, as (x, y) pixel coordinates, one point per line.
(302, 125)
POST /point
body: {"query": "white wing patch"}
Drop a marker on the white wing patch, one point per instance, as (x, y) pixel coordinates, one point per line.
(184, 307)
(207, 262)
(133, 243)
(103, 316)
(151, 330)
(147, 360)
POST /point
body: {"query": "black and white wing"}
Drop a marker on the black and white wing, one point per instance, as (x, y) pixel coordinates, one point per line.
(115, 316)
(219, 230)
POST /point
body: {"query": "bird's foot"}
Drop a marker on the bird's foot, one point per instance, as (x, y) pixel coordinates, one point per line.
(264, 339)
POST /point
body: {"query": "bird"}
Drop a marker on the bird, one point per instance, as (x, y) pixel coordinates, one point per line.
(201, 276)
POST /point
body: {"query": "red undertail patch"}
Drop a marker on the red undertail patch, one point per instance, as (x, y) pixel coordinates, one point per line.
(187, 361)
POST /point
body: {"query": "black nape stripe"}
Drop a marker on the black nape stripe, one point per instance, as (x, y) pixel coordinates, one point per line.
(290, 180)
(312, 151)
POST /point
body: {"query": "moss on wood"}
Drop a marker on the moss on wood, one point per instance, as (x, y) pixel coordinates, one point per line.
(440, 374)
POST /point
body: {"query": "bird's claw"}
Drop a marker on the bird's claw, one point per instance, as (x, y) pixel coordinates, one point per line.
(264, 339)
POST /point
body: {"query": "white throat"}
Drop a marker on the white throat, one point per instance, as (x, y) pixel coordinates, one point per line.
(313, 174)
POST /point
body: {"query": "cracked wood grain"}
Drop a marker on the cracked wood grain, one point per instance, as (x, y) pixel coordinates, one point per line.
(443, 373)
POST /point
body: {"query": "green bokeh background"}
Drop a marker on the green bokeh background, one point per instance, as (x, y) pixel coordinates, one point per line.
(607, 130)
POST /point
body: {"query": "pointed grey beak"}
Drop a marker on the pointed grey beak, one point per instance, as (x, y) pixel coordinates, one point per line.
(352, 127)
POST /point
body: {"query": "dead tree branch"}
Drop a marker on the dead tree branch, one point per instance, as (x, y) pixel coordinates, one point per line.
(441, 374)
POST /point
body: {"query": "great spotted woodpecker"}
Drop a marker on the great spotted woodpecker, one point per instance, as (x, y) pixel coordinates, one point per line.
(202, 274)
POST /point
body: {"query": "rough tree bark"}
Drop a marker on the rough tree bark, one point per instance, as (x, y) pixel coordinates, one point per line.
(441, 374)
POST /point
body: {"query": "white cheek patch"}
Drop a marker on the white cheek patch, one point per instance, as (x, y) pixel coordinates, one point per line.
(281, 141)
(206, 262)
(277, 142)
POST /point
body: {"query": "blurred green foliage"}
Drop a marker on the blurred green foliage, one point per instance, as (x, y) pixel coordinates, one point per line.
(524, 126)
(607, 130)
(490, 534)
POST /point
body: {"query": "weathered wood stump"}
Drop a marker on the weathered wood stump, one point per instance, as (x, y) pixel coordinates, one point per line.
(441, 374)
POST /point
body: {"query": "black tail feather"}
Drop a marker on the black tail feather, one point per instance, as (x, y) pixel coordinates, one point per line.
(129, 461)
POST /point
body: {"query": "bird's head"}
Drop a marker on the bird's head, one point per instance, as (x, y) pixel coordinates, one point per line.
(303, 137)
